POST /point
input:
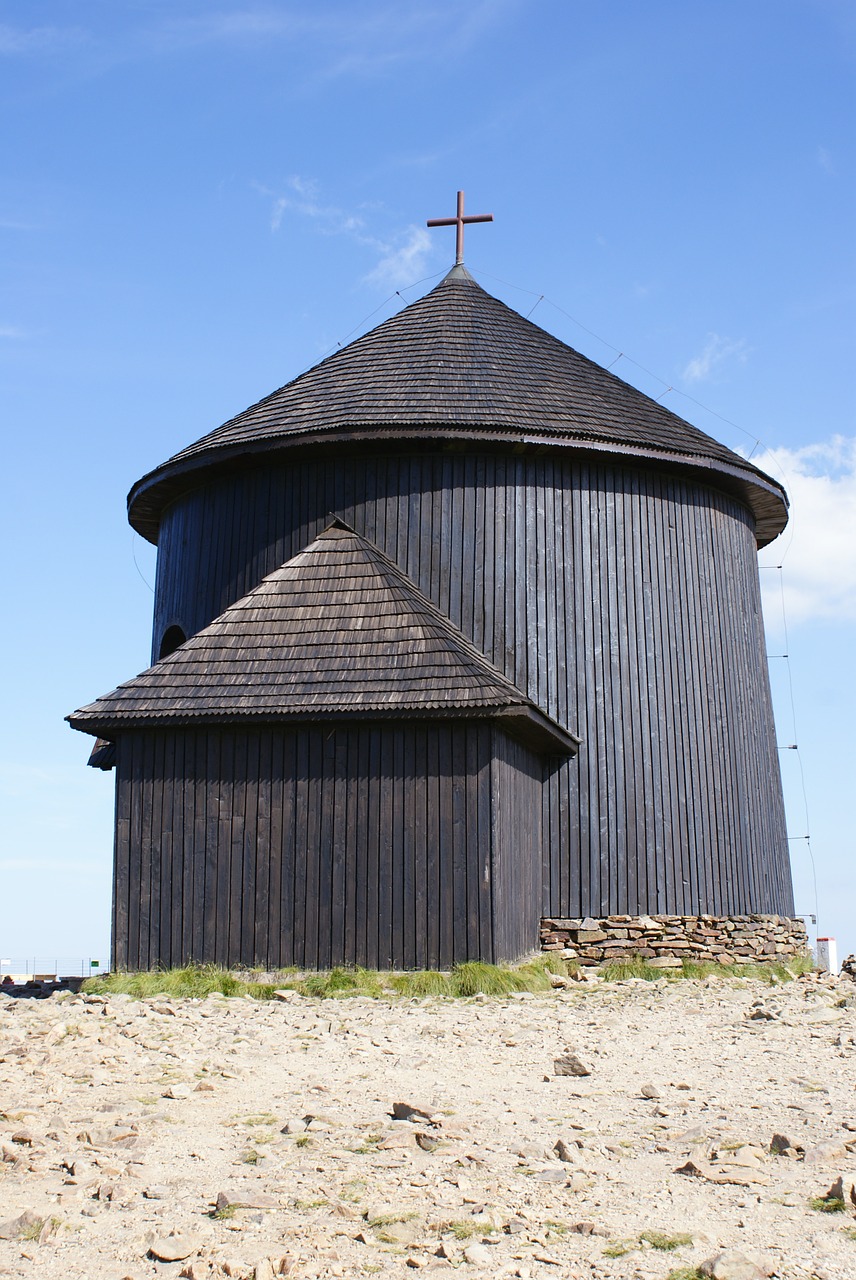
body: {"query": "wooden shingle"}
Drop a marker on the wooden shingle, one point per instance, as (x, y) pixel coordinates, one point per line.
(460, 364)
(338, 630)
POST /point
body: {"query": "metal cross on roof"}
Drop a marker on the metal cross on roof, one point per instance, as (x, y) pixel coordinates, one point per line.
(460, 221)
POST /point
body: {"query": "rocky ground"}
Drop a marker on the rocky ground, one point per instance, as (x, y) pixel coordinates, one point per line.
(243, 1139)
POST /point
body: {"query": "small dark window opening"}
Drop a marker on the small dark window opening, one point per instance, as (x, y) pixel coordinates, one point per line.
(172, 638)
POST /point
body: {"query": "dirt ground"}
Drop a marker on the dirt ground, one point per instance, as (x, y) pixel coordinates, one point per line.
(259, 1139)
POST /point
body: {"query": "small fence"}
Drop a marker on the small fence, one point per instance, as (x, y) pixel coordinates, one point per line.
(29, 968)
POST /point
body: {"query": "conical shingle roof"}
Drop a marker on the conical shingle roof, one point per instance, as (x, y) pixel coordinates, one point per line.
(338, 630)
(460, 363)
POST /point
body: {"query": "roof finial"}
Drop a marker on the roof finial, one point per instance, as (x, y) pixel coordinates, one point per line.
(459, 221)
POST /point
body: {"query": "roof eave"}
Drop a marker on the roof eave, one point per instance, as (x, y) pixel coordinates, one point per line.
(524, 721)
(764, 496)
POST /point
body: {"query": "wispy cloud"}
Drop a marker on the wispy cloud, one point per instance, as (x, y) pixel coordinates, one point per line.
(301, 196)
(401, 255)
(355, 40)
(714, 354)
(818, 550)
(403, 262)
(335, 40)
(12, 331)
(17, 41)
(825, 161)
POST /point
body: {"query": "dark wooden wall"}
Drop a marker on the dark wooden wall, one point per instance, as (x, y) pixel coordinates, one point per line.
(517, 786)
(358, 844)
(625, 602)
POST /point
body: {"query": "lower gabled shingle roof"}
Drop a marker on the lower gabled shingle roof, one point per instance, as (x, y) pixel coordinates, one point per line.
(338, 630)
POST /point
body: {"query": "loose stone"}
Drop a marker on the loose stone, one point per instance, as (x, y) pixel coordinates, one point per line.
(570, 1065)
(174, 1248)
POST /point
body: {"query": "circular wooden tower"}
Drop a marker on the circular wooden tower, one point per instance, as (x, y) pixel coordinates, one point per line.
(596, 548)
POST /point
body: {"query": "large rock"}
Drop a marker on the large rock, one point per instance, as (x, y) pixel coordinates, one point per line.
(478, 1255)
(174, 1248)
(12, 1228)
(737, 1264)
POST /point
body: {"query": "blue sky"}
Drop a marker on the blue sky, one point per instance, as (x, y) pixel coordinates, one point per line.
(199, 200)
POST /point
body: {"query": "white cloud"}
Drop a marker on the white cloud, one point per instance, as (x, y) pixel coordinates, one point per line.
(402, 256)
(301, 197)
(19, 40)
(403, 262)
(824, 159)
(714, 354)
(818, 549)
(338, 39)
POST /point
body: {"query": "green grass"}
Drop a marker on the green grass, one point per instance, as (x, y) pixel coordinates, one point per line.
(772, 971)
(476, 978)
(33, 1230)
(198, 980)
(665, 1243)
(421, 985)
(619, 1248)
(472, 978)
(387, 1219)
(685, 1273)
(656, 1239)
(464, 981)
(632, 967)
(849, 1233)
(827, 1204)
(462, 1229)
(340, 982)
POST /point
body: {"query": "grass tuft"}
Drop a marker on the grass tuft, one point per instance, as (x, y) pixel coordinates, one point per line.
(419, 985)
(476, 978)
(465, 980)
(632, 967)
(33, 1230)
(665, 1243)
(342, 982)
(619, 1248)
(827, 1204)
(685, 1273)
(387, 1219)
(460, 1228)
(194, 980)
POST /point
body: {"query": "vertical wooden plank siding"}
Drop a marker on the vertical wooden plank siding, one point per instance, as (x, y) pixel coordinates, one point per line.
(622, 600)
(516, 783)
(293, 802)
(120, 939)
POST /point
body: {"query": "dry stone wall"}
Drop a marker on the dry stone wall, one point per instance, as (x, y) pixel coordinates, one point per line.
(664, 941)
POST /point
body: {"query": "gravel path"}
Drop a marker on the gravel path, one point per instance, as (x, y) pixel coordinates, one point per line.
(125, 1124)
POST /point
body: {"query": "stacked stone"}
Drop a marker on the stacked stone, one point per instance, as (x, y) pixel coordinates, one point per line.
(665, 941)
